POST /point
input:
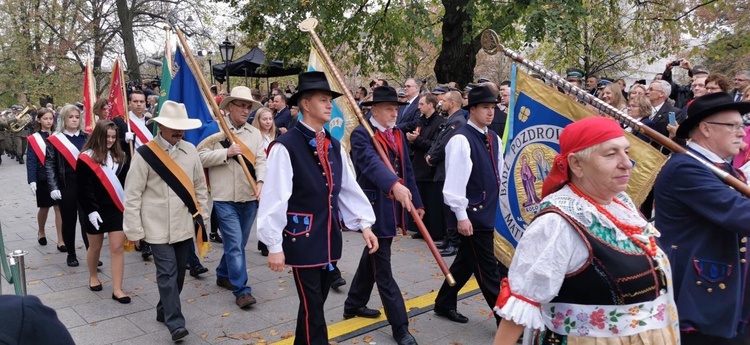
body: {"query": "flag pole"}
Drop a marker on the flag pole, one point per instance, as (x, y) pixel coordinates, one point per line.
(491, 45)
(212, 104)
(308, 25)
(126, 115)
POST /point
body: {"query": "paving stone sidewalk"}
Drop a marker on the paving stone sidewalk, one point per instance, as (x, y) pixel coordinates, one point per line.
(212, 316)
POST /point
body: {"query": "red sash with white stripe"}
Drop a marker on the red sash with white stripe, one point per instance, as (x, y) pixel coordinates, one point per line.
(63, 145)
(142, 135)
(38, 145)
(108, 179)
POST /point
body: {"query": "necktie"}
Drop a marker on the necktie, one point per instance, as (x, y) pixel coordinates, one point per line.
(320, 142)
(390, 138)
(732, 171)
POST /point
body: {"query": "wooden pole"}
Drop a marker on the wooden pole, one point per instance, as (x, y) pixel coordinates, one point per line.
(491, 45)
(308, 26)
(213, 106)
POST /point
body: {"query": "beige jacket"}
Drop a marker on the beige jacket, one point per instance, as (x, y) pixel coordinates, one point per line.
(153, 212)
(227, 180)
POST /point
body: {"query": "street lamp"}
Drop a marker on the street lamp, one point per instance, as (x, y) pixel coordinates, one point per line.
(226, 49)
(208, 54)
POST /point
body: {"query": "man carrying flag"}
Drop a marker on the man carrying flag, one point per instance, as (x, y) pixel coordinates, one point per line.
(140, 133)
(235, 203)
(166, 174)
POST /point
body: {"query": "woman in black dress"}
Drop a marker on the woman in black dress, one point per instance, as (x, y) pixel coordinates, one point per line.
(101, 171)
(37, 178)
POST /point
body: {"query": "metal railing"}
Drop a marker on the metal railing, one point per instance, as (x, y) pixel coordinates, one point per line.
(14, 267)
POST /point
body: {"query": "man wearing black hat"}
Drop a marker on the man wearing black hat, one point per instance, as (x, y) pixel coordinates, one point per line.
(705, 224)
(391, 194)
(308, 189)
(473, 161)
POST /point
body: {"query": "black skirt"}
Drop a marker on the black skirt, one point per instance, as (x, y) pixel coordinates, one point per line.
(112, 220)
(43, 199)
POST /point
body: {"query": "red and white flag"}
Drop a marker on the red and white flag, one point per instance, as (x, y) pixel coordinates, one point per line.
(89, 97)
(116, 85)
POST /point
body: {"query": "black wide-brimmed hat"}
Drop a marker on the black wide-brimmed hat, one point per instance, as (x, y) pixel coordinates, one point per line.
(383, 94)
(705, 106)
(311, 81)
(481, 94)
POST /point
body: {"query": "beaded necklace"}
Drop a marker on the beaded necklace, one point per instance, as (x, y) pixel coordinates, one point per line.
(627, 229)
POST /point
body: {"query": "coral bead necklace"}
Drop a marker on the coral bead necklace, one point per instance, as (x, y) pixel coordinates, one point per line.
(627, 229)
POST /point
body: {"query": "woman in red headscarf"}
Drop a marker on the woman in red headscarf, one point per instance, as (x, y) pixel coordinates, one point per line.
(587, 269)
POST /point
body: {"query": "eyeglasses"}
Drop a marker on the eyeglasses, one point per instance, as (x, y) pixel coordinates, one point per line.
(246, 107)
(734, 127)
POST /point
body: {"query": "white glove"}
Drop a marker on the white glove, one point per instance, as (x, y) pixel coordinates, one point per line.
(129, 137)
(32, 186)
(55, 195)
(95, 219)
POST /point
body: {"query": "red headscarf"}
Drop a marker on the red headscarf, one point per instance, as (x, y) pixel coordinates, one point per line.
(575, 137)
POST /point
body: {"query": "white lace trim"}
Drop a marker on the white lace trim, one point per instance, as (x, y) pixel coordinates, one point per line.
(584, 212)
(522, 313)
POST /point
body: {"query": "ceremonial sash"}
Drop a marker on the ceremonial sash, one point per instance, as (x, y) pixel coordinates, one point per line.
(246, 154)
(109, 180)
(141, 132)
(176, 178)
(63, 145)
(38, 145)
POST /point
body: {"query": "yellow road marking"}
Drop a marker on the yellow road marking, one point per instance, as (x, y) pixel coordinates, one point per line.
(348, 326)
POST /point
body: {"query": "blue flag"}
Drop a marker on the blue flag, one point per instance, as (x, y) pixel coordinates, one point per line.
(185, 89)
(536, 117)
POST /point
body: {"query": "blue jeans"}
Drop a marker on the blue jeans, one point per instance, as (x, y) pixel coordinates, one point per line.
(235, 221)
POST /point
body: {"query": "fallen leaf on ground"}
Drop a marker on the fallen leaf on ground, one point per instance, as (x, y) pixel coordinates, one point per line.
(367, 338)
(225, 315)
(273, 332)
(355, 341)
(33, 282)
(205, 293)
(235, 336)
(256, 336)
(287, 335)
(138, 288)
(482, 311)
(191, 300)
(204, 335)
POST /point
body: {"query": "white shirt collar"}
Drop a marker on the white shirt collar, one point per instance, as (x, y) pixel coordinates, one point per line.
(481, 130)
(412, 100)
(166, 144)
(656, 110)
(377, 125)
(310, 128)
(71, 134)
(706, 153)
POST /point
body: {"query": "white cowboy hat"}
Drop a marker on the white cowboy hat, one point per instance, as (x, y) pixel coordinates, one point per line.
(174, 115)
(241, 93)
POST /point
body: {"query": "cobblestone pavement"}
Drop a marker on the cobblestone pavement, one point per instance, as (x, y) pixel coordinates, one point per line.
(212, 316)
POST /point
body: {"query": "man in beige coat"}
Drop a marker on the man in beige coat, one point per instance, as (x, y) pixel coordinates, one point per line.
(235, 201)
(155, 212)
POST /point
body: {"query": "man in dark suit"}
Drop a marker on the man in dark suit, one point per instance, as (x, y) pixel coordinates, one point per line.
(408, 114)
(391, 195)
(741, 81)
(658, 94)
(282, 116)
(435, 157)
(705, 224)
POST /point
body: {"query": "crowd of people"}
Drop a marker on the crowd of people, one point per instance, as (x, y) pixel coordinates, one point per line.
(591, 265)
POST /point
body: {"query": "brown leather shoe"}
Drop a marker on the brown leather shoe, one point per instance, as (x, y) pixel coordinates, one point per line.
(245, 300)
(225, 283)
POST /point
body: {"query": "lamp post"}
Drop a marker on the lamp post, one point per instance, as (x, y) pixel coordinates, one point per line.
(226, 49)
(207, 54)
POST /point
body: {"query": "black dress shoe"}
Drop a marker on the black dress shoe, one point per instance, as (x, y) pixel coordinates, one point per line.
(417, 236)
(405, 339)
(197, 270)
(96, 287)
(450, 251)
(159, 317)
(145, 252)
(361, 312)
(225, 283)
(179, 333)
(339, 282)
(451, 314)
(123, 299)
(62, 248)
(72, 261)
(42, 241)
(100, 264)
(215, 237)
